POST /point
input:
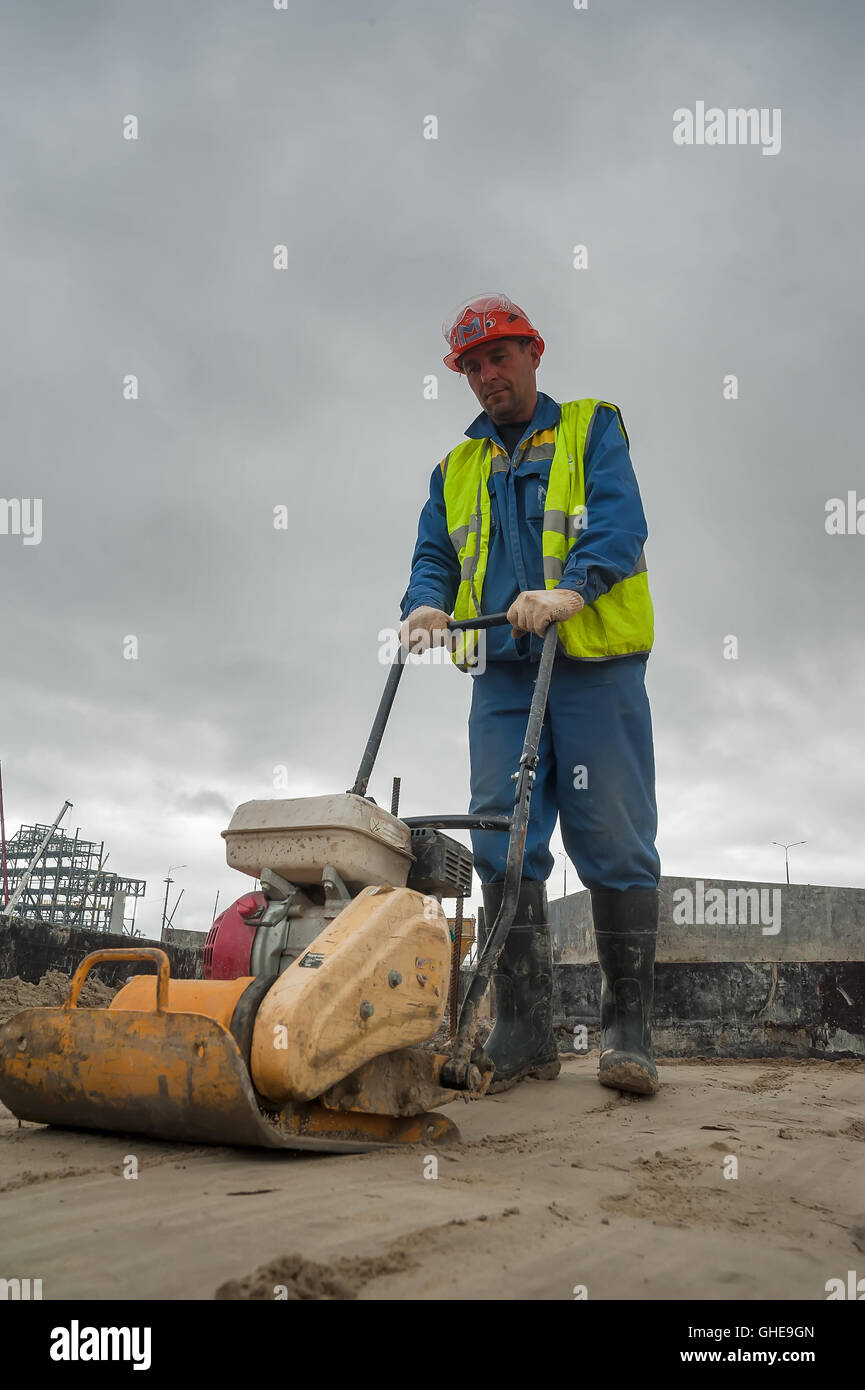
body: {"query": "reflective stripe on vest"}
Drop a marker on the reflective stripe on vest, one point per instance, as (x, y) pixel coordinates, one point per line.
(618, 623)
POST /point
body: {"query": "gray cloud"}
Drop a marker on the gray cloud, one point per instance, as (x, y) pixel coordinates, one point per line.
(258, 647)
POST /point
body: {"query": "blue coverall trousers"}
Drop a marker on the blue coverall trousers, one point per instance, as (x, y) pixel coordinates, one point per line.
(596, 770)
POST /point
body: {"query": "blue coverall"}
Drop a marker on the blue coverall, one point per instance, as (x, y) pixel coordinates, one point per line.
(596, 761)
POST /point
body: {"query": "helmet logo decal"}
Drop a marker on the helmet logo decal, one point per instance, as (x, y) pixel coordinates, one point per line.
(474, 329)
(468, 332)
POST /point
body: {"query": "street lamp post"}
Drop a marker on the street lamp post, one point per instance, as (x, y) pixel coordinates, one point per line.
(785, 848)
(565, 874)
(168, 882)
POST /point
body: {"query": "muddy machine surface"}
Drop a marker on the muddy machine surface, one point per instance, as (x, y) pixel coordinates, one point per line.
(321, 985)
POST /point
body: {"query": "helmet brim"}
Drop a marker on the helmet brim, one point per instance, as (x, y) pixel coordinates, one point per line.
(453, 358)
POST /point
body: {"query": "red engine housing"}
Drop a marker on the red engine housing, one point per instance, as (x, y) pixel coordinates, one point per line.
(228, 947)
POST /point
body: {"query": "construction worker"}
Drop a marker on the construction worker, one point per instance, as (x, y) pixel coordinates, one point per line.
(539, 515)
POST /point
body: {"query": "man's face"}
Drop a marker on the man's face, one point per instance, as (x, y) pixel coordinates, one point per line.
(502, 376)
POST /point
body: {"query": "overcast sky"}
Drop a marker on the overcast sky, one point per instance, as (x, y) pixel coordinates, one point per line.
(304, 387)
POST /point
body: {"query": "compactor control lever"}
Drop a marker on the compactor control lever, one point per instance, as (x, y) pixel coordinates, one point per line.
(469, 1068)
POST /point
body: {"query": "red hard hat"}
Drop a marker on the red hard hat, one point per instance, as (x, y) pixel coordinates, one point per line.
(482, 320)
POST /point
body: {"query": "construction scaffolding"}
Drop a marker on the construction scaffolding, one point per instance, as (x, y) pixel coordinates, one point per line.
(69, 885)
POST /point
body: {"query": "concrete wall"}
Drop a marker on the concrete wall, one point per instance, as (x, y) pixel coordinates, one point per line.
(28, 949)
(777, 922)
(734, 1009)
(780, 973)
(190, 940)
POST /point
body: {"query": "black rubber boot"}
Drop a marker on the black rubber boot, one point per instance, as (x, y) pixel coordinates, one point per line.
(626, 929)
(522, 1042)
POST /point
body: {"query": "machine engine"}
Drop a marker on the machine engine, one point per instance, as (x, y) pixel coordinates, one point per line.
(312, 856)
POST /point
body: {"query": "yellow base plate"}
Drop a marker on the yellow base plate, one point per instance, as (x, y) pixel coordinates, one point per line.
(171, 1076)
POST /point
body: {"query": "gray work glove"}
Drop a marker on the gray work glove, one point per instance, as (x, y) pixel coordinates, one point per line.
(424, 628)
(534, 609)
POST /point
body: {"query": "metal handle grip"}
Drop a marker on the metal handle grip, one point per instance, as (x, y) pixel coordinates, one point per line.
(491, 620)
(139, 953)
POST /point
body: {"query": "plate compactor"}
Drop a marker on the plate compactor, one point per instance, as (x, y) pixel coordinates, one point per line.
(319, 991)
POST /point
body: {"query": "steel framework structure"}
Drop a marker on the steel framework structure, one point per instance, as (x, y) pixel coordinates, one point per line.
(69, 885)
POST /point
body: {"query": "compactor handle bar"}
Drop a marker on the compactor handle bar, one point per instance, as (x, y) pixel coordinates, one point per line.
(370, 753)
(468, 1067)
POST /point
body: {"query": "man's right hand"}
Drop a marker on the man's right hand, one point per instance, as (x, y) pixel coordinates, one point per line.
(424, 628)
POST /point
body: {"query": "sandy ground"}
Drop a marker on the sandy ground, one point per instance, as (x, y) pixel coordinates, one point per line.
(553, 1185)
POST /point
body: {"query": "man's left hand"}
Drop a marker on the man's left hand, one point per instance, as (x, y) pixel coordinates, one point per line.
(535, 609)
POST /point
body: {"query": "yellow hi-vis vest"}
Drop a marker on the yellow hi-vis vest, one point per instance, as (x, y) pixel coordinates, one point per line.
(618, 623)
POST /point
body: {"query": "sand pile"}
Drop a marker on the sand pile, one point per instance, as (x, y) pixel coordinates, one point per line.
(17, 994)
(292, 1277)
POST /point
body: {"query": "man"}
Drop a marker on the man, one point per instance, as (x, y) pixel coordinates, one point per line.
(539, 515)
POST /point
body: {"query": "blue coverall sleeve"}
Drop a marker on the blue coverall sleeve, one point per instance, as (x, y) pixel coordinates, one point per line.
(608, 547)
(435, 570)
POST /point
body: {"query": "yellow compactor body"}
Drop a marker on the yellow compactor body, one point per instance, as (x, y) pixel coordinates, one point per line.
(324, 1056)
